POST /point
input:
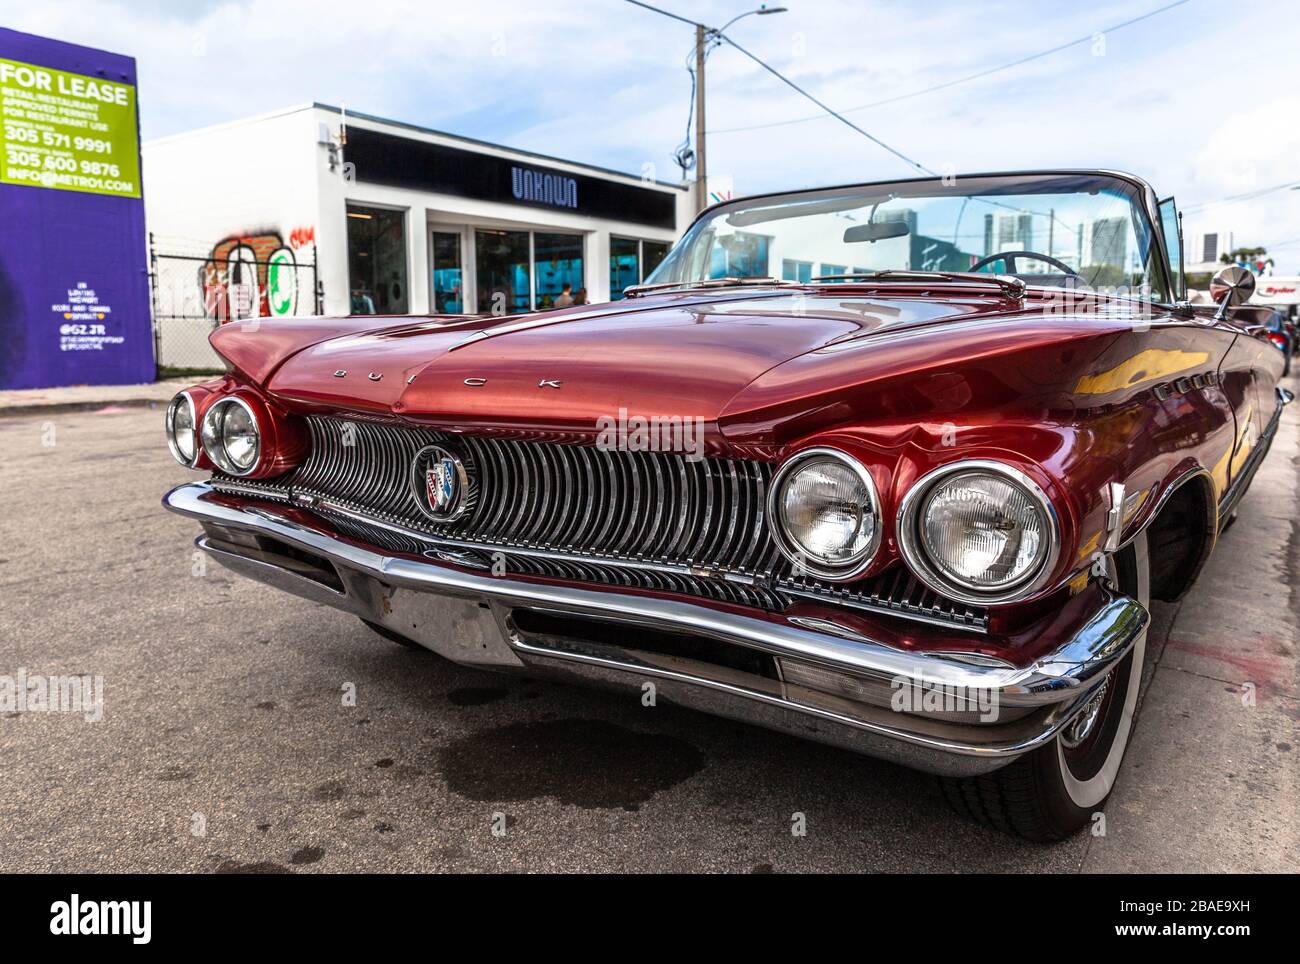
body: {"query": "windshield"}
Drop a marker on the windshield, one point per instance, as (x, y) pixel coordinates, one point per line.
(1075, 230)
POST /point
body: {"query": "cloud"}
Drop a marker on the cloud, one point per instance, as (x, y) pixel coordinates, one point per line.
(1195, 102)
(1231, 161)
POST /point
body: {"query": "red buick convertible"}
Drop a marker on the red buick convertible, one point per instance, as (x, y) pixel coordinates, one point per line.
(897, 467)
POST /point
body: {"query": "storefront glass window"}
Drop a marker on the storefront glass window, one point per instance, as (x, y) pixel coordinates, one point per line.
(501, 262)
(624, 265)
(377, 261)
(558, 259)
(631, 261)
(448, 297)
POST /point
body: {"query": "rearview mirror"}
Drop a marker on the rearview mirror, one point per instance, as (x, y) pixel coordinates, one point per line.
(876, 231)
(1232, 286)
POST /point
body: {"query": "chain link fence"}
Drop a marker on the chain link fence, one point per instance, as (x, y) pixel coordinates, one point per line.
(196, 287)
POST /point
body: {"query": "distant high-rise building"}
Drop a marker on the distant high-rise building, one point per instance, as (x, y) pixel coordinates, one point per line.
(1109, 242)
(1015, 232)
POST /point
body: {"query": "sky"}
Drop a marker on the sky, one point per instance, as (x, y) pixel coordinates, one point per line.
(1201, 100)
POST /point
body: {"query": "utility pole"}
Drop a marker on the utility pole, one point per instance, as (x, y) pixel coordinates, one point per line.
(701, 169)
(704, 35)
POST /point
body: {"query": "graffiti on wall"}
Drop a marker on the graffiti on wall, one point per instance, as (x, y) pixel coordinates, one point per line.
(258, 275)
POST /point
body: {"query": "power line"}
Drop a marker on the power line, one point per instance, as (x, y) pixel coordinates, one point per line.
(838, 116)
(717, 36)
(960, 80)
(638, 3)
(1245, 196)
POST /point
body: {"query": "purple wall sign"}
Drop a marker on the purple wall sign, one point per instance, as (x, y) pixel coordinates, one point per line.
(74, 283)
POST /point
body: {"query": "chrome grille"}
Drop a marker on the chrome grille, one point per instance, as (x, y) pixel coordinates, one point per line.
(624, 505)
(571, 570)
(897, 591)
(645, 519)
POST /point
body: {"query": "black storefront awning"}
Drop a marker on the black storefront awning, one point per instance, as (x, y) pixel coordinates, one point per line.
(405, 162)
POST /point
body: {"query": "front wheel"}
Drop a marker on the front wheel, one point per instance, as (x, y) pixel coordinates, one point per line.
(1055, 790)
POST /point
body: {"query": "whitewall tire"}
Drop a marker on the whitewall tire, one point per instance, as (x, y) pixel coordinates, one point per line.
(1052, 792)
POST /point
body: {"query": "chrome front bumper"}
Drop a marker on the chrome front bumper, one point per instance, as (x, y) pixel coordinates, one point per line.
(832, 686)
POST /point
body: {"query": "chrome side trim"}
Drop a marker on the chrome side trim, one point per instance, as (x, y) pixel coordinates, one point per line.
(1058, 676)
(1114, 515)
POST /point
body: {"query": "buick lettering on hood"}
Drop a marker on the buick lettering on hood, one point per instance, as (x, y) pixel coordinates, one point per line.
(898, 467)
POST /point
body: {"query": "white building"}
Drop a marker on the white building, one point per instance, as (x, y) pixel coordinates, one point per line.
(314, 211)
(1203, 248)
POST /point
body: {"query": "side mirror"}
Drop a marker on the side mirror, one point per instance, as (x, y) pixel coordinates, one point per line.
(1232, 286)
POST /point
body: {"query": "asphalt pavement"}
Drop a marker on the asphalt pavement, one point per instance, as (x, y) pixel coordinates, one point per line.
(244, 730)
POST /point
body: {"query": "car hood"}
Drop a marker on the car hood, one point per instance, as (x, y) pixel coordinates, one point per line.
(668, 356)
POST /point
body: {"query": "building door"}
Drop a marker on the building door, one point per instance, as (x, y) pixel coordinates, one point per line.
(502, 280)
(377, 256)
(447, 281)
(557, 265)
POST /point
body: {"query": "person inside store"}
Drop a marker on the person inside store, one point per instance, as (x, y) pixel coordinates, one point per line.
(362, 303)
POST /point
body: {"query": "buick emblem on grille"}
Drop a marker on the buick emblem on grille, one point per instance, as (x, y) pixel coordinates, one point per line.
(440, 483)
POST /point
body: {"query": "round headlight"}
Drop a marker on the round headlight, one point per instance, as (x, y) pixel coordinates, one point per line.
(825, 513)
(231, 436)
(182, 437)
(978, 532)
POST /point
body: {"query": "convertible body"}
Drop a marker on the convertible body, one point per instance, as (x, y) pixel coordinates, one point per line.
(612, 493)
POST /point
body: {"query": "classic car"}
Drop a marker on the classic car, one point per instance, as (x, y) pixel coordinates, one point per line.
(897, 467)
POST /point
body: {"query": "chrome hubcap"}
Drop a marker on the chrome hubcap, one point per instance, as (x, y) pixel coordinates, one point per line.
(1077, 730)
